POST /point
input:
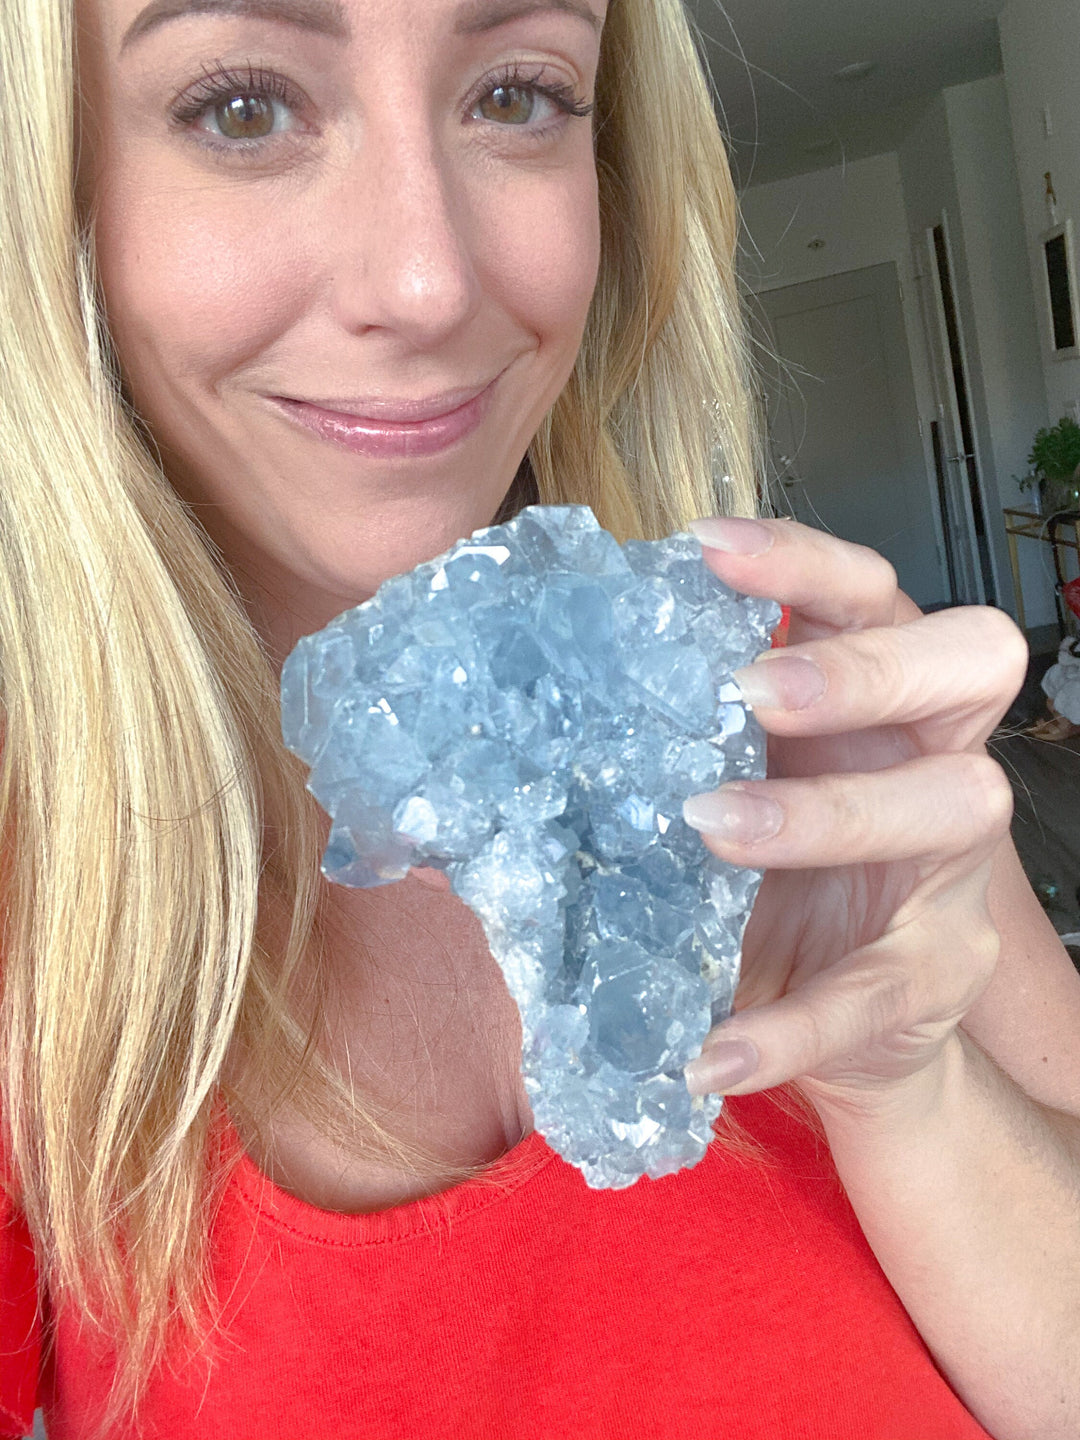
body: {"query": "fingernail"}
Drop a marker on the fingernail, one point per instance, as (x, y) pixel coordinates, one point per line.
(732, 534)
(788, 682)
(722, 1066)
(733, 813)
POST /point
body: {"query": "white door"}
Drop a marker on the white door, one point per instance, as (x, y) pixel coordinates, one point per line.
(844, 423)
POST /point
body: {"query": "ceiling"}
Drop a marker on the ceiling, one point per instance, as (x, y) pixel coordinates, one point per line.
(773, 62)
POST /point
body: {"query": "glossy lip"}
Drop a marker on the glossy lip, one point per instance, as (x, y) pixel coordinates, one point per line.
(383, 434)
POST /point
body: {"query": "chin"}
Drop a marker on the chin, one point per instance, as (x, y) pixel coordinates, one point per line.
(348, 569)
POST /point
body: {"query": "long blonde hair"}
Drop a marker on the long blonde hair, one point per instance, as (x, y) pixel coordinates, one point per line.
(154, 826)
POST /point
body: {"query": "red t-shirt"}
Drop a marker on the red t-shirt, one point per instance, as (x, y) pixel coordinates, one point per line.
(737, 1299)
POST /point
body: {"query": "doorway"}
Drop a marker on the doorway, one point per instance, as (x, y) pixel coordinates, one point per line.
(844, 428)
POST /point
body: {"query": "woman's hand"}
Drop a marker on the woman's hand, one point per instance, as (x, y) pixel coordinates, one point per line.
(871, 936)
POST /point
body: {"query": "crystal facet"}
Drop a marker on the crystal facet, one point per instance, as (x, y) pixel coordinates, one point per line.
(527, 713)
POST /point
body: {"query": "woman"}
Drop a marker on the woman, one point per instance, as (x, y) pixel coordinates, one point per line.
(328, 271)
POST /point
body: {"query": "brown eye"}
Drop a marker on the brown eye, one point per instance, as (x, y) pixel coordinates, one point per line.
(512, 103)
(245, 117)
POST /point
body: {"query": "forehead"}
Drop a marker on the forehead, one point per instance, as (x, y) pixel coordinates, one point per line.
(127, 22)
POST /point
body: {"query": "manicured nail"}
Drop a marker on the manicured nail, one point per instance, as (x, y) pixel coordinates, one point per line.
(732, 813)
(786, 682)
(732, 534)
(722, 1066)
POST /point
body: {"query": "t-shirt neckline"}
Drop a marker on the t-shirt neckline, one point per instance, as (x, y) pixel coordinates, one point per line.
(428, 1215)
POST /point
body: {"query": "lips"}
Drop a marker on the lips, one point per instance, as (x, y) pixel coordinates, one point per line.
(399, 412)
(387, 429)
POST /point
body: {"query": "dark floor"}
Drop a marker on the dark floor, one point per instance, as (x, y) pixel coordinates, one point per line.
(1046, 784)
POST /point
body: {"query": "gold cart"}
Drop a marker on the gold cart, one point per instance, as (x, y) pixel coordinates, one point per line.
(1062, 533)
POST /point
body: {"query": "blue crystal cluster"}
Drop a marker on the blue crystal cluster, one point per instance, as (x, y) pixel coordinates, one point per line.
(527, 712)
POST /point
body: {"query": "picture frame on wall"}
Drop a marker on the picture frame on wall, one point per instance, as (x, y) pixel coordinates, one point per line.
(1059, 289)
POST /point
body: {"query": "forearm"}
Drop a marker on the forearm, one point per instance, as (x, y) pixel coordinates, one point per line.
(969, 1194)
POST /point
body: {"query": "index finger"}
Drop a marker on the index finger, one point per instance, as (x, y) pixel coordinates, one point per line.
(830, 584)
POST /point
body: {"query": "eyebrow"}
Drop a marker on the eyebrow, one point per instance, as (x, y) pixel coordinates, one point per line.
(327, 17)
(484, 15)
(324, 17)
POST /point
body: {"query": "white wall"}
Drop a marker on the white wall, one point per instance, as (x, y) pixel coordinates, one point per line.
(1009, 379)
(857, 210)
(1040, 46)
(1002, 299)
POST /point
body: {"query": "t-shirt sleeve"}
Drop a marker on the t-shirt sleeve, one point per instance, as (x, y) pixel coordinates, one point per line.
(20, 1328)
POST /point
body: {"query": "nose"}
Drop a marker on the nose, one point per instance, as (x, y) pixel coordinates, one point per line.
(404, 260)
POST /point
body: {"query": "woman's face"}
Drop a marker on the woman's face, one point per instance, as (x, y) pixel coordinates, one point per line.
(318, 220)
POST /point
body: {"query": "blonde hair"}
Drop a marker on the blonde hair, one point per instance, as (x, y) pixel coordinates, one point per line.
(157, 835)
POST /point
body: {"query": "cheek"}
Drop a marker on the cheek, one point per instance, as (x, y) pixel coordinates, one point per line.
(543, 253)
(191, 289)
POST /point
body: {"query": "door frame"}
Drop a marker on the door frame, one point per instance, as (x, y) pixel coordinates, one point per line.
(976, 564)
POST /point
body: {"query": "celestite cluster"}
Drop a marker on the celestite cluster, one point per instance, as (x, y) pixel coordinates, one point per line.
(527, 712)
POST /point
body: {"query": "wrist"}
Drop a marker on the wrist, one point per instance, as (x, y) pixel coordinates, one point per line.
(897, 1104)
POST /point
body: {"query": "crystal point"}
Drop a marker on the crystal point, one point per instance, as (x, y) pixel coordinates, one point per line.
(527, 712)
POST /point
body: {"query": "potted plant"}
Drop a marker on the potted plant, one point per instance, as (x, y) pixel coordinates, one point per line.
(1055, 467)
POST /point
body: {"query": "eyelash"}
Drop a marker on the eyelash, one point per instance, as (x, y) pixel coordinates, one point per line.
(221, 84)
(558, 92)
(216, 86)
